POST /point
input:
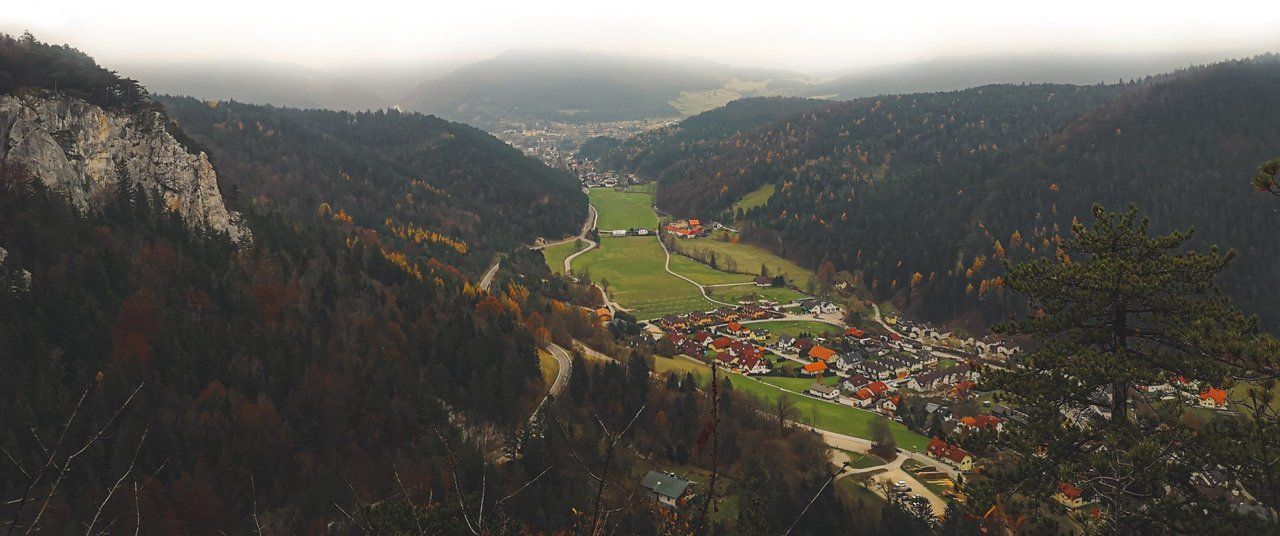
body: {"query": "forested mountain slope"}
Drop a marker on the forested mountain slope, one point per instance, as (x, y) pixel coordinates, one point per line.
(656, 153)
(927, 184)
(456, 193)
(164, 378)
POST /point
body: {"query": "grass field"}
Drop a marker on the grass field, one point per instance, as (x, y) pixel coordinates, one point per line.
(756, 198)
(706, 275)
(795, 384)
(549, 367)
(751, 292)
(556, 254)
(793, 328)
(633, 268)
(830, 416)
(623, 210)
(750, 257)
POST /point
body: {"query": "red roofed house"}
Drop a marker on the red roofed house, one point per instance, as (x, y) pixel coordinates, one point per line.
(950, 453)
(878, 388)
(863, 398)
(982, 422)
(816, 367)
(1213, 398)
(1069, 496)
(855, 333)
(721, 343)
(821, 353)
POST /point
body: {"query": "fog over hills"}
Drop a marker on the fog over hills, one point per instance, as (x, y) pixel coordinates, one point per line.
(352, 88)
(950, 73)
(581, 87)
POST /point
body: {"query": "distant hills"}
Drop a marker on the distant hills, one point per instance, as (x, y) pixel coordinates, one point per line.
(951, 73)
(352, 88)
(946, 184)
(579, 87)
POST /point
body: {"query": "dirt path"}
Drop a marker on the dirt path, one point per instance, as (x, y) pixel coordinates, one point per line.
(702, 289)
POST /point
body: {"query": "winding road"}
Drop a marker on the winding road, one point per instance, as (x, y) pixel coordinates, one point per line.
(702, 289)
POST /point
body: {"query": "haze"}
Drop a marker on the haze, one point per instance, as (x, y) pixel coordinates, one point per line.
(807, 36)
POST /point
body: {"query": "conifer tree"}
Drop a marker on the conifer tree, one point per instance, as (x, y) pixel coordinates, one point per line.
(1115, 310)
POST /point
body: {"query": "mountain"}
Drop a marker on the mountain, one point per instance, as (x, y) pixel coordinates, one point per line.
(281, 84)
(401, 174)
(656, 152)
(950, 73)
(944, 185)
(178, 382)
(518, 87)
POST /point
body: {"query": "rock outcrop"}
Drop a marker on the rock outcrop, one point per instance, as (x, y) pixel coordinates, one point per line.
(83, 150)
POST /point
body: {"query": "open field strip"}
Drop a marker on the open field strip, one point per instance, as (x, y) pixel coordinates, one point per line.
(756, 198)
(633, 269)
(749, 258)
(831, 416)
(623, 210)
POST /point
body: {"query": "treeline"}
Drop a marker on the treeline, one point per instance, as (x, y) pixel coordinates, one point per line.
(26, 63)
(657, 154)
(427, 184)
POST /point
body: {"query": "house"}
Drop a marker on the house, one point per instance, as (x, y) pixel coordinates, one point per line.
(863, 398)
(890, 405)
(821, 353)
(949, 453)
(618, 233)
(814, 368)
(703, 339)
(982, 422)
(1069, 496)
(1213, 398)
(824, 391)
(855, 382)
(822, 308)
(763, 281)
(669, 490)
(855, 333)
(721, 343)
(603, 314)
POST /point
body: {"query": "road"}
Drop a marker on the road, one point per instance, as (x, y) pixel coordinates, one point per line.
(893, 473)
(701, 288)
(562, 374)
(488, 276)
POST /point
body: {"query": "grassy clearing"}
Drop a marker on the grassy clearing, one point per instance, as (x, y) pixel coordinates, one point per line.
(756, 198)
(795, 384)
(548, 366)
(750, 257)
(707, 275)
(751, 292)
(556, 254)
(623, 210)
(793, 328)
(634, 269)
(830, 416)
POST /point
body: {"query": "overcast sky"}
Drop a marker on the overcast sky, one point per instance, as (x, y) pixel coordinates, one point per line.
(795, 34)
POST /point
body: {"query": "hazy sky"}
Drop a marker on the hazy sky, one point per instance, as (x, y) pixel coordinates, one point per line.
(797, 34)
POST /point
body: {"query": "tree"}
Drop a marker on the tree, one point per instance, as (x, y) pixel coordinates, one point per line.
(1120, 309)
(883, 443)
(579, 383)
(1268, 177)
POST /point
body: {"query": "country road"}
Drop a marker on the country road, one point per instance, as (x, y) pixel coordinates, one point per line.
(702, 289)
(587, 226)
(488, 276)
(562, 374)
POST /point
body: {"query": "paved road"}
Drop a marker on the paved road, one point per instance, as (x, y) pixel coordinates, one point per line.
(566, 367)
(701, 288)
(488, 276)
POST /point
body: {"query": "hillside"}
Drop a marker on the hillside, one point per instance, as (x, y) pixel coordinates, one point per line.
(951, 73)
(390, 172)
(519, 87)
(654, 153)
(927, 184)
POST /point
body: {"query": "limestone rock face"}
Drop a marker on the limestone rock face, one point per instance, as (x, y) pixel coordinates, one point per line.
(82, 150)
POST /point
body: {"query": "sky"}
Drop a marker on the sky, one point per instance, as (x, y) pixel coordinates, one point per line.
(797, 34)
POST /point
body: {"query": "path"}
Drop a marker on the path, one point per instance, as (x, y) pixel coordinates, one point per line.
(701, 288)
(562, 374)
(488, 276)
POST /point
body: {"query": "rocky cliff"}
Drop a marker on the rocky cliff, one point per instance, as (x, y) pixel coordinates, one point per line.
(83, 150)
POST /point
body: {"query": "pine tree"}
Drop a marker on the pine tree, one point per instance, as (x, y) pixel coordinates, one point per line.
(1122, 309)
